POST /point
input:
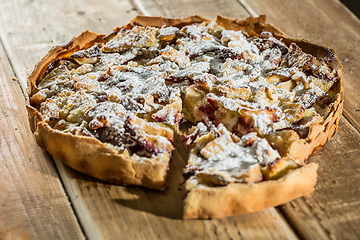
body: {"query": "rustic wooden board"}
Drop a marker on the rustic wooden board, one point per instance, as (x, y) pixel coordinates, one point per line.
(104, 210)
(325, 22)
(33, 204)
(29, 29)
(110, 211)
(183, 8)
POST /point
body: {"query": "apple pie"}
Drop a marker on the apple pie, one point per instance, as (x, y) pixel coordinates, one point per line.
(258, 104)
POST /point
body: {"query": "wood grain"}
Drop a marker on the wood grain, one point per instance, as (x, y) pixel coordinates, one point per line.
(326, 22)
(33, 204)
(29, 28)
(183, 8)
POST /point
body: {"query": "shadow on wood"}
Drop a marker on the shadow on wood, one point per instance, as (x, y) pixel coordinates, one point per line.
(166, 203)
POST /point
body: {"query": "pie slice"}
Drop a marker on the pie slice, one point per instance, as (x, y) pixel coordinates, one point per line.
(260, 103)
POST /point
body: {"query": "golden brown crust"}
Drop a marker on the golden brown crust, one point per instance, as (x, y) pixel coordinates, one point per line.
(84, 40)
(160, 21)
(90, 156)
(318, 134)
(253, 26)
(238, 198)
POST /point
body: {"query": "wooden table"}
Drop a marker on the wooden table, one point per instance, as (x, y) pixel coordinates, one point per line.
(40, 198)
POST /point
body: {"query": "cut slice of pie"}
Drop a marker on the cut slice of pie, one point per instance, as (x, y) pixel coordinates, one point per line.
(260, 103)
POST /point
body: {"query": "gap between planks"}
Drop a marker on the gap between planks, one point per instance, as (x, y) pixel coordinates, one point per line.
(2, 46)
(139, 7)
(31, 185)
(11, 59)
(57, 165)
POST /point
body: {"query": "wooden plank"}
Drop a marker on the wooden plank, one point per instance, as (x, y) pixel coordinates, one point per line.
(183, 8)
(33, 204)
(109, 211)
(325, 22)
(29, 29)
(332, 211)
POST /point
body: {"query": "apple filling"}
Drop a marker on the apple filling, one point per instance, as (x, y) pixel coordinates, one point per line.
(239, 91)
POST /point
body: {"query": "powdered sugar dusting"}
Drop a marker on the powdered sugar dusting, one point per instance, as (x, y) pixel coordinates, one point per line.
(251, 84)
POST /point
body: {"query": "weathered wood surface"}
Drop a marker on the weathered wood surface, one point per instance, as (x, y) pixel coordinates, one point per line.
(183, 8)
(29, 28)
(33, 204)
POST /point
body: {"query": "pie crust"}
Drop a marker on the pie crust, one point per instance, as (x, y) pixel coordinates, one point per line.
(93, 157)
